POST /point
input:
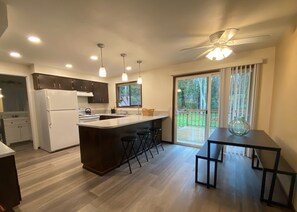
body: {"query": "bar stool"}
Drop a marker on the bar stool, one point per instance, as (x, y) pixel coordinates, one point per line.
(126, 142)
(143, 136)
(155, 141)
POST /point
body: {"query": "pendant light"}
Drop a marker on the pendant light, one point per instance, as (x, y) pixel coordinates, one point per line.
(102, 70)
(139, 80)
(124, 75)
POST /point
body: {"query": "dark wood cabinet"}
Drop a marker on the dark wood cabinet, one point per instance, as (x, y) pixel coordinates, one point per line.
(100, 91)
(10, 195)
(82, 85)
(43, 81)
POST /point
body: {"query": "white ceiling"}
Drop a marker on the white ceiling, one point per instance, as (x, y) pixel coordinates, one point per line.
(153, 31)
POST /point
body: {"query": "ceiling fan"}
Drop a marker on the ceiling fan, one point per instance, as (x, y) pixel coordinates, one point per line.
(221, 42)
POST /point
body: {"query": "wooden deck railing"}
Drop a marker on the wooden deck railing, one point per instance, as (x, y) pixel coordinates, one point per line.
(196, 118)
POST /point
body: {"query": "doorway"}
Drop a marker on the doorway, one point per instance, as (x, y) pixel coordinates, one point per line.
(197, 106)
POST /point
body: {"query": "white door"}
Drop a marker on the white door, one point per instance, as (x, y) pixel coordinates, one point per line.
(63, 129)
(61, 100)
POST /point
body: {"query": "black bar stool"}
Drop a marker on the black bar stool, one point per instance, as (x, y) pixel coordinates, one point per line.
(126, 142)
(143, 136)
(155, 141)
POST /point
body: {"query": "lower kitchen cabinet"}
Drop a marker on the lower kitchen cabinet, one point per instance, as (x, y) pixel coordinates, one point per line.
(10, 195)
(17, 129)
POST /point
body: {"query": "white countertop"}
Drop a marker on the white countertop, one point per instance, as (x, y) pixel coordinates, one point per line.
(15, 118)
(5, 150)
(120, 122)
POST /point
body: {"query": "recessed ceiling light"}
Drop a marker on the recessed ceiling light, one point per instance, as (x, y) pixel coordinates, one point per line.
(34, 39)
(15, 54)
(94, 57)
(68, 66)
(128, 68)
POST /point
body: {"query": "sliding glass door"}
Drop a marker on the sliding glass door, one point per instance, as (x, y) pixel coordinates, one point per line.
(196, 108)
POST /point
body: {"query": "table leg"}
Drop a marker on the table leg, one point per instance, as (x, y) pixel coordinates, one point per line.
(273, 177)
(208, 163)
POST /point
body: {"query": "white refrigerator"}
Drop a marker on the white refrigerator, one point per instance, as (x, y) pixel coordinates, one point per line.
(57, 118)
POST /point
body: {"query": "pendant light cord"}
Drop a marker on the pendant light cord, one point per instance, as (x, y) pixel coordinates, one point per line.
(101, 57)
(139, 62)
(124, 64)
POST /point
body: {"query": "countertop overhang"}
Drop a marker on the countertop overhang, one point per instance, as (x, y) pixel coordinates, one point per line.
(5, 150)
(120, 122)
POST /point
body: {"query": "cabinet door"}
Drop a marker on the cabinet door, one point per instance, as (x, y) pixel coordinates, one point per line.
(63, 83)
(25, 132)
(12, 134)
(104, 90)
(82, 85)
(10, 194)
(100, 92)
(42, 81)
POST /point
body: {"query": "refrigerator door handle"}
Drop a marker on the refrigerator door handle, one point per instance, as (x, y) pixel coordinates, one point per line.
(49, 119)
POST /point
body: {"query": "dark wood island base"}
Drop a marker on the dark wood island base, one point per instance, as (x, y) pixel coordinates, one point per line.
(101, 149)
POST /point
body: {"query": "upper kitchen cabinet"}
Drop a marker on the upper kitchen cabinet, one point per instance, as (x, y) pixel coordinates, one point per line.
(100, 91)
(42, 81)
(82, 85)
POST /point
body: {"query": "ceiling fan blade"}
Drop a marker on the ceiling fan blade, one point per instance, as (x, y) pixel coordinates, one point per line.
(228, 35)
(197, 47)
(204, 53)
(243, 41)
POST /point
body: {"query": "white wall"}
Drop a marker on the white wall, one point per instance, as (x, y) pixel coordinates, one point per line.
(284, 103)
(157, 90)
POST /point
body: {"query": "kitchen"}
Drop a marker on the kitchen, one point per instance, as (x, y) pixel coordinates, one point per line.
(153, 33)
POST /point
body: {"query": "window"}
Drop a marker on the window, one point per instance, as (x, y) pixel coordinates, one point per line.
(129, 94)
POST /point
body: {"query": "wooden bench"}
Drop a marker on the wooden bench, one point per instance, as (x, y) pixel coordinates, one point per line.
(267, 158)
(215, 152)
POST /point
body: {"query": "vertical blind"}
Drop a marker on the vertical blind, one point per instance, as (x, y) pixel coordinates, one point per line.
(242, 97)
(242, 92)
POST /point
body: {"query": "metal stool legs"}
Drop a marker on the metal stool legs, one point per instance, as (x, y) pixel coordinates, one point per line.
(126, 142)
(155, 138)
(143, 139)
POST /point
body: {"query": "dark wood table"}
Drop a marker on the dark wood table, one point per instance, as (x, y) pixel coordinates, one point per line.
(256, 139)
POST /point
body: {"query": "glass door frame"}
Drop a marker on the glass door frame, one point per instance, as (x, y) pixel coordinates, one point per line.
(207, 74)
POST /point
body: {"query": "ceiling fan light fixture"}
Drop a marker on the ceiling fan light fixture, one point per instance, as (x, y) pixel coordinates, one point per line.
(226, 51)
(219, 53)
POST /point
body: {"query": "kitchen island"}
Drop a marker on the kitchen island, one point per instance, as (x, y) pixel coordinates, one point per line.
(100, 141)
(10, 195)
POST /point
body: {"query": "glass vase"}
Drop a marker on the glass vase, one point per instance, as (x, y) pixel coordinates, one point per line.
(238, 126)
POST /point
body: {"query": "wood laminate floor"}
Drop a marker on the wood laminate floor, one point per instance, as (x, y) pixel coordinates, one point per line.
(57, 182)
